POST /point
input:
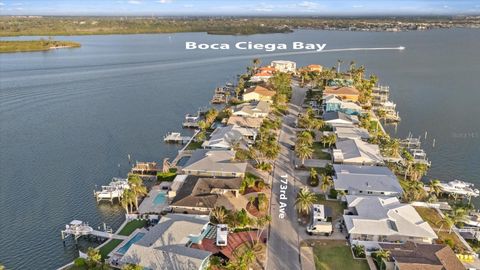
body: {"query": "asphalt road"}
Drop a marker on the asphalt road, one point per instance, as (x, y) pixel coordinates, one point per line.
(283, 244)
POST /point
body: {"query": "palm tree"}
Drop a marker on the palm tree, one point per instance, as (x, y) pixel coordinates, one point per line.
(215, 262)
(459, 215)
(128, 198)
(261, 224)
(305, 137)
(327, 182)
(250, 181)
(219, 214)
(137, 187)
(304, 201)
(313, 174)
(446, 220)
(256, 62)
(303, 151)
(435, 187)
(93, 257)
(328, 139)
(339, 62)
(380, 255)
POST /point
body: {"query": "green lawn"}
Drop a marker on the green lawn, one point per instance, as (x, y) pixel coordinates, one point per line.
(108, 247)
(318, 153)
(132, 226)
(333, 255)
(336, 206)
(33, 45)
(194, 145)
(168, 176)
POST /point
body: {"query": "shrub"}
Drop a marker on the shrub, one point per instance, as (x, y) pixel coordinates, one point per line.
(264, 166)
(242, 155)
(450, 243)
(261, 185)
(80, 262)
(333, 193)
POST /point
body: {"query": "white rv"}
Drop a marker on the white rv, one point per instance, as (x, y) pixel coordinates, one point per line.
(222, 235)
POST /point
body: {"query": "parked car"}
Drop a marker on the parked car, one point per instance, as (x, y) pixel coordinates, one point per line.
(320, 228)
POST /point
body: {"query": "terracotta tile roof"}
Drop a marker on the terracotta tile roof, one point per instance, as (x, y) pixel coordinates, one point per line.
(234, 241)
(335, 90)
(412, 256)
(263, 74)
(261, 91)
(271, 69)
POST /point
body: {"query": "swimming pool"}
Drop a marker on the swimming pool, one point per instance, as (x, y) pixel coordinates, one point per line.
(122, 250)
(160, 198)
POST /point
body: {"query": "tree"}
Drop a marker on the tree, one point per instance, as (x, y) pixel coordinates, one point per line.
(304, 201)
(359, 251)
(448, 221)
(215, 262)
(339, 62)
(250, 181)
(329, 139)
(256, 62)
(93, 257)
(305, 137)
(326, 183)
(137, 187)
(262, 201)
(380, 256)
(459, 215)
(128, 199)
(130, 266)
(219, 213)
(281, 83)
(303, 151)
(313, 174)
(435, 187)
(261, 224)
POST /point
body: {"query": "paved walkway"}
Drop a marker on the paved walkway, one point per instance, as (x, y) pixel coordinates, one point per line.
(308, 260)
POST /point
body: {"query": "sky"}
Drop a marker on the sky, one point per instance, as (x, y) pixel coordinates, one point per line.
(245, 7)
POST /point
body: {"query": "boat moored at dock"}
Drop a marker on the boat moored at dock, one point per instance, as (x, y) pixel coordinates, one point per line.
(113, 190)
(457, 187)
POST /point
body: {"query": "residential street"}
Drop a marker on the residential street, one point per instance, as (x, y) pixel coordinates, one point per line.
(283, 244)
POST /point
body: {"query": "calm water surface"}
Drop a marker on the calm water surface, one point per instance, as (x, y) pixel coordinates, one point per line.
(70, 117)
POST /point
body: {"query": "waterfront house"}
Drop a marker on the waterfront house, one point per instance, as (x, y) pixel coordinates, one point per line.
(167, 244)
(200, 194)
(371, 220)
(345, 81)
(344, 92)
(205, 162)
(253, 109)
(354, 133)
(339, 119)
(258, 93)
(284, 66)
(357, 152)
(411, 255)
(262, 74)
(314, 68)
(366, 180)
(247, 122)
(332, 103)
(229, 137)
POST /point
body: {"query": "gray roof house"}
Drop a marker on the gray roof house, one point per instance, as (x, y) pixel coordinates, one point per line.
(356, 151)
(229, 136)
(200, 194)
(167, 244)
(254, 109)
(351, 133)
(205, 162)
(366, 180)
(371, 220)
(339, 119)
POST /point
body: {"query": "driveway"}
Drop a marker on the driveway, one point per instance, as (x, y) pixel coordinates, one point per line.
(283, 244)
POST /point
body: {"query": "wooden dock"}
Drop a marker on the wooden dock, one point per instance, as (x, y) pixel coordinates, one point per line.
(176, 137)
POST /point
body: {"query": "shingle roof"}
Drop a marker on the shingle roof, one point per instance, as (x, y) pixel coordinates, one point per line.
(410, 256)
(214, 161)
(260, 90)
(358, 149)
(164, 246)
(252, 122)
(340, 90)
(385, 216)
(197, 191)
(365, 178)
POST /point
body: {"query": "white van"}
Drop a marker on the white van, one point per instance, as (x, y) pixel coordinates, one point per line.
(322, 228)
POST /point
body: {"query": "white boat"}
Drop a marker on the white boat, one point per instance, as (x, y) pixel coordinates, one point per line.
(473, 220)
(113, 190)
(460, 188)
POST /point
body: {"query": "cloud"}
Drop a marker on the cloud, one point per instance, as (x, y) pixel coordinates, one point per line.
(2, 4)
(188, 6)
(308, 5)
(134, 2)
(164, 1)
(262, 7)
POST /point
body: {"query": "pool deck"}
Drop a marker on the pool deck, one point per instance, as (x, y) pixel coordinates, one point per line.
(148, 204)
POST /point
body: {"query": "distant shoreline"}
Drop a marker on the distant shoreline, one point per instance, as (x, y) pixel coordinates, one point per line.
(75, 26)
(13, 46)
